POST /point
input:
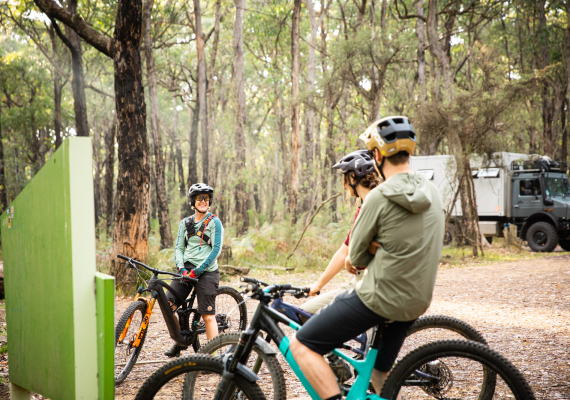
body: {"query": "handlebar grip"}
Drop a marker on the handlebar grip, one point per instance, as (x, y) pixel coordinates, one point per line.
(123, 257)
(248, 280)
(192, 280)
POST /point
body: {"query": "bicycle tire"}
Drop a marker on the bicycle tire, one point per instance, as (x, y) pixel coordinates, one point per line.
(445, 322)
(461, 349)
(270, 360)
(193, 364)
(241, 308)
(131, 309)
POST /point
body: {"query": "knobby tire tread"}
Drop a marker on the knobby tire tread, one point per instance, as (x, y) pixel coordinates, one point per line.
(193, 363)
(131, 309)
(457, 348)
(270, 360)
(450, 323)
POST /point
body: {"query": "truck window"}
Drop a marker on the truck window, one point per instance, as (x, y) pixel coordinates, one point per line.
(530, 187)
(489, 173)
(558, 187)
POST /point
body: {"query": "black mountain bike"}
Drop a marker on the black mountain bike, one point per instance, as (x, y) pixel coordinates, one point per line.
(131, 330)
(447, 369)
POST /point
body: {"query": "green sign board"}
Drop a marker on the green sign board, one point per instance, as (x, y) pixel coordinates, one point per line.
(59, 315)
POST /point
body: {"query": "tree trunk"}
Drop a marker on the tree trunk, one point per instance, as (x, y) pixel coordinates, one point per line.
(109, 171)
(130, 236)
(437, 51)
(202, 88)
(176, 139)
(78, 80)
(193, 139)
(3, 197)
(242, 218)
(421, 34)
(162, 201)
(97, 175)
(57, 88)
(309, 111)
(295, 111)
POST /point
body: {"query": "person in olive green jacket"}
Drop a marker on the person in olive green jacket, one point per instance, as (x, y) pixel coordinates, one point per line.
(405, 216)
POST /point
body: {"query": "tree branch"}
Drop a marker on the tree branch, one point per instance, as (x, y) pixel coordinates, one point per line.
(310, 221)
(104, 44)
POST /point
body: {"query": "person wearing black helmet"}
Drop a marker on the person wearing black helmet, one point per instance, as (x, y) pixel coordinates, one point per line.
(359, 178)
(405, 215)
(199, 243)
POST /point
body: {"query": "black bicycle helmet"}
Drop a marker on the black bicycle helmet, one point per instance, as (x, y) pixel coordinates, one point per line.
(199, 188)
(358, 162)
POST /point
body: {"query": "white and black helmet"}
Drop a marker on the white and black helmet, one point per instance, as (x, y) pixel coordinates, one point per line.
(199, 188)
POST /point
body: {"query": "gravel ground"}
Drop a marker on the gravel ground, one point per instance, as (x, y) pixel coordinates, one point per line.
(522, 308)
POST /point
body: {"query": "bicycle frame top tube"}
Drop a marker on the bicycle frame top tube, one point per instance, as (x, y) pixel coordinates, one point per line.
(153, 270)
(266, 319)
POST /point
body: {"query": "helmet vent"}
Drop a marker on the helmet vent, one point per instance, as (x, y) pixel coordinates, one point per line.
(398, 120)
(383, 125)
(390, 137)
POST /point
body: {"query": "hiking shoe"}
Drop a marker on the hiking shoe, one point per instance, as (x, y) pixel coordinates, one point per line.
(174, 351)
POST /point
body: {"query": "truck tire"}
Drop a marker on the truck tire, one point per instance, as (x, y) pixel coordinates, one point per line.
(565, 244)
(542, 236)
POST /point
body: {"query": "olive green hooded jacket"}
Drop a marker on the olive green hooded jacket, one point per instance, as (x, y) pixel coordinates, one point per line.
(405, 215)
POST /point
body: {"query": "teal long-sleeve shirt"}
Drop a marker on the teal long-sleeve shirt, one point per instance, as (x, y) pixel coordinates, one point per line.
(203, 256)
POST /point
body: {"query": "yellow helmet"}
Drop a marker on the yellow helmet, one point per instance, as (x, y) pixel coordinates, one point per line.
(390, 135)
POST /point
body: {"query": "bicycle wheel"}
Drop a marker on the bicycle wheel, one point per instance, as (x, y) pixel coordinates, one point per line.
(271, 378)
(125, 354)
(454, 369)
(231, 312)
(167, 383)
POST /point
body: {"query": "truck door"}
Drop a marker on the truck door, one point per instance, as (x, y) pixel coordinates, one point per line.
(527, 197)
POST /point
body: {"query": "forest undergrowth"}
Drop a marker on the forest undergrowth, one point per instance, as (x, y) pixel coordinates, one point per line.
(270, 247)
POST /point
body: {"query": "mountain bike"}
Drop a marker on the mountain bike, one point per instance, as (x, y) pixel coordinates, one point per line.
(425, 329)
(421, 373)
(132, 328)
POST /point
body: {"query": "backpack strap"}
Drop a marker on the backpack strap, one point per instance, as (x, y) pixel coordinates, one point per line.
(191, 231)
(202, 231)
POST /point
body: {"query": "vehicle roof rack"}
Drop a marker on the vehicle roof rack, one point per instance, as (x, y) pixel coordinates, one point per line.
(539, 164)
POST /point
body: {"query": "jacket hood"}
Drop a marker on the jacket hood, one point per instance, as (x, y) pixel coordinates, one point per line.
(410, 191)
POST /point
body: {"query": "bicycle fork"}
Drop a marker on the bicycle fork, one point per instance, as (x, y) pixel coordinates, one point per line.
(144, 325)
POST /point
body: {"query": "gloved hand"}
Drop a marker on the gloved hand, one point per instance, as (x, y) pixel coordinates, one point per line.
(190, 274)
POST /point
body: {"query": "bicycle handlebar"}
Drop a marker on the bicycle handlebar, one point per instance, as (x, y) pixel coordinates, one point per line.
(253, 280)
(154, 270)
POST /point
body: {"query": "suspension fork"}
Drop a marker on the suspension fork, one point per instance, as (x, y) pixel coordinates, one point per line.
(144, 324)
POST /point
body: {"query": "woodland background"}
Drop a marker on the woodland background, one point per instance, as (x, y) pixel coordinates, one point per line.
(260, 98)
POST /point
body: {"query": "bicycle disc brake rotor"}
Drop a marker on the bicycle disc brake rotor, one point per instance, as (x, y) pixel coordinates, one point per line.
(440, 370)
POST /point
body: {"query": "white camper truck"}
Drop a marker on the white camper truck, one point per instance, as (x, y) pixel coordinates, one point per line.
(530, 192)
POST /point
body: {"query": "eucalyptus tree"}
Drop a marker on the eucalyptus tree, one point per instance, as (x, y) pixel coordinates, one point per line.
(130, 236)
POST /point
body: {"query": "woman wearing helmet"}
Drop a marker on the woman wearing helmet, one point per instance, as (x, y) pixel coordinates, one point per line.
(198, 246)
(359, 178)
(405, 214)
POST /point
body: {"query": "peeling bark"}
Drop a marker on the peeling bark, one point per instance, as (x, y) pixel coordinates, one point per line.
(130, 235)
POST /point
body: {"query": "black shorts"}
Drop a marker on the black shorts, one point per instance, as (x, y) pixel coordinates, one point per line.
(206, 291)
(346, 318)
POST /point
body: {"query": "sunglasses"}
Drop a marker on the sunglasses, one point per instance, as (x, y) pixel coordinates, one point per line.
(203, 198)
